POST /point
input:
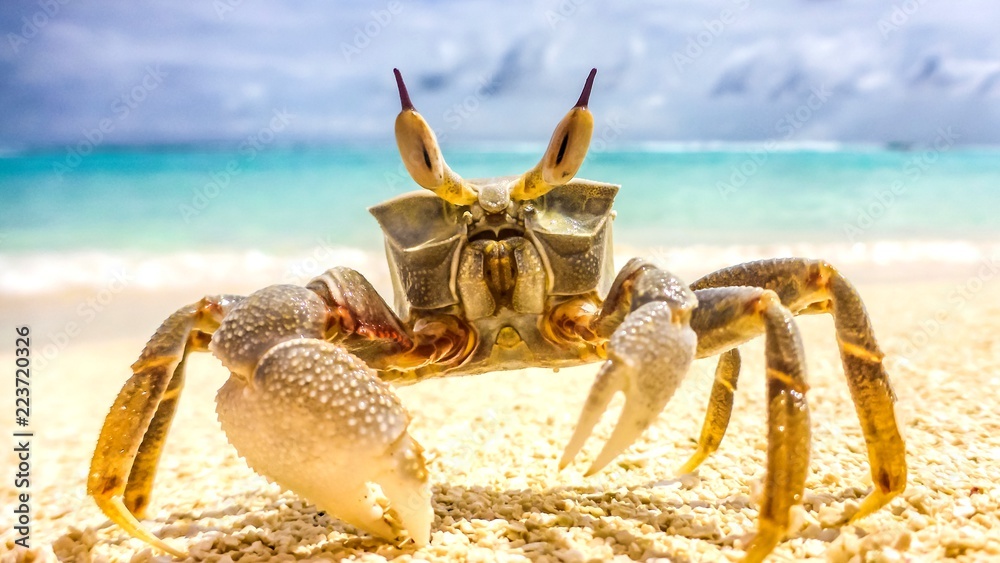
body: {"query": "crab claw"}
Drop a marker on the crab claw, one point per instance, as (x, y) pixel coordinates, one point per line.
(648, 356)
(317, 421)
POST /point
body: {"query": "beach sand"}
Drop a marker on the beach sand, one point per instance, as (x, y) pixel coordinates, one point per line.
(493, 442)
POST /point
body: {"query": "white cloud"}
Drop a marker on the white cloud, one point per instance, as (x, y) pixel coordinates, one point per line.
(331, 63)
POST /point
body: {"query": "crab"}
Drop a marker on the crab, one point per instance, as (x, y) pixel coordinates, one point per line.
(490, 274)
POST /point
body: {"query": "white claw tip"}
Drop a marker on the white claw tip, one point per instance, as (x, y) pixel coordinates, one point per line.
(405, 484)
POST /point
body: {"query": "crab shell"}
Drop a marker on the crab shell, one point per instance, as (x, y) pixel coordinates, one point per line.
(560, 246)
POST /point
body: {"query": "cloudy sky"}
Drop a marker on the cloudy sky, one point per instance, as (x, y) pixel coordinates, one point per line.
(192, 71)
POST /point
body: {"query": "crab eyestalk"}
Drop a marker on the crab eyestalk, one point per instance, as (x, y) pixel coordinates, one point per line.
(422, 156)
(566, 152)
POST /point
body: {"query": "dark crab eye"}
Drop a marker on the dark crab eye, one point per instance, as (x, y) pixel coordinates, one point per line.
(566, 151)
(570, 141)
(416, 141)
(421, 154)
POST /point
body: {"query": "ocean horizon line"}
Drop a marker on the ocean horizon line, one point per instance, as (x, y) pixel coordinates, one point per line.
(10, 152)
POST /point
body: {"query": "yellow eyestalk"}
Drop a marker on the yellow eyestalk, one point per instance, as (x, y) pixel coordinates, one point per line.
(422, 156)
(566, 152)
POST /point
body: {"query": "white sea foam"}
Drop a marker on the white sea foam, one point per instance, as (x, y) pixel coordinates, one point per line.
(48, 273)
(879, 259)
(33, 274)
(740, 147)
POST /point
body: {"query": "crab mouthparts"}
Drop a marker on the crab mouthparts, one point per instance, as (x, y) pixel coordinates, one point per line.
(490, 232)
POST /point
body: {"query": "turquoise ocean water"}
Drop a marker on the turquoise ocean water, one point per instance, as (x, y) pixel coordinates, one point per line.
(189, 215)
(283, 199)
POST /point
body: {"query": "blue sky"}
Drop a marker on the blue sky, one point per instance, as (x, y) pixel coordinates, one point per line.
(196, 71)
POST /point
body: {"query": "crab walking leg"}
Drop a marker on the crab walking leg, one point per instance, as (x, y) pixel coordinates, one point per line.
(814, 286)
(140, 480)
(734, 314)
(649, 352)
(720, 408)
(134, 431)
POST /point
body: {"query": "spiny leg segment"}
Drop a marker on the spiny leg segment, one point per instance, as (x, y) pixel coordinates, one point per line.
(132, 438)
(727, 316)
(140, 480)
(720, 409)
(814, 286)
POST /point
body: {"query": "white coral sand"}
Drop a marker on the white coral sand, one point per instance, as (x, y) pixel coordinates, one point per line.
(493, 442)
